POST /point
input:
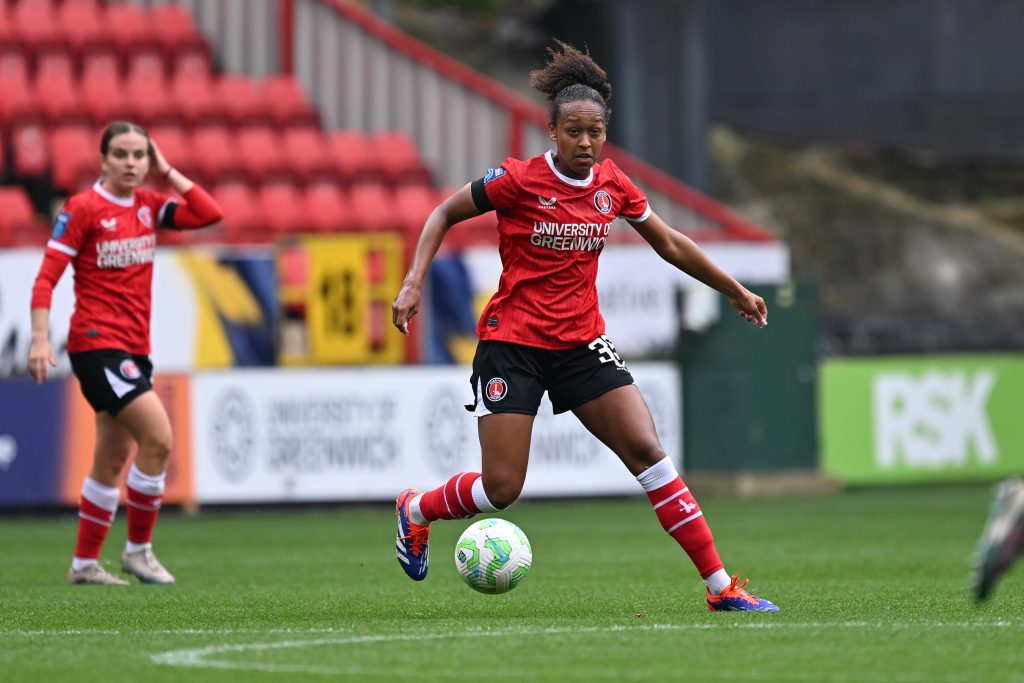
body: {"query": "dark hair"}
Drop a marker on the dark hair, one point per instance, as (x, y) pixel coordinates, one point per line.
(119, 128)
(571, 76)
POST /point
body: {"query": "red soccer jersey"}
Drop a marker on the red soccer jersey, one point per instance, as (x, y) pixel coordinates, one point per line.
(112, 242)
(551, 229)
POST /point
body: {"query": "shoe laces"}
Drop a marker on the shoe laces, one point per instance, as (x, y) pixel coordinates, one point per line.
(417, 537)
(736, 591)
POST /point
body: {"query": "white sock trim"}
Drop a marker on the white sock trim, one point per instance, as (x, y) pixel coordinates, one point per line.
(480, 498)
(149, 484)
(130, 547)
(718, 581)
(658, 475)
(100, 495)
(415, 516)
(79, 563)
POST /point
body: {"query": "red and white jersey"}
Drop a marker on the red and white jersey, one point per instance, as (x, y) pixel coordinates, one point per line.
(112, 243)
(551, 230)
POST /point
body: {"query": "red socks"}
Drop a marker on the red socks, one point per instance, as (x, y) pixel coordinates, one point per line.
(96, 509)
(453, 500)
(681, 517)
(145, 493)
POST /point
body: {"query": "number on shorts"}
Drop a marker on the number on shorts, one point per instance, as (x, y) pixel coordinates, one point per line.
(606, 351)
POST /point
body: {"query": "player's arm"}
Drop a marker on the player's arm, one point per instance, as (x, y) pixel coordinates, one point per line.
(684, 254)
(40, 353)
(457, 207)
(198, 209)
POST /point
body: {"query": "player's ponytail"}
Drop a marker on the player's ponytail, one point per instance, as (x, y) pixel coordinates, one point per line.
(571, 76)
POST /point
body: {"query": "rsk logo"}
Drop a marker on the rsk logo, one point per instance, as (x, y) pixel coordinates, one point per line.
(935, 420)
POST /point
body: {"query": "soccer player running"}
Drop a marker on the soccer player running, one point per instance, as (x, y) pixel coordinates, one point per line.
(542, 330)
(1002, 539)
(108, 233)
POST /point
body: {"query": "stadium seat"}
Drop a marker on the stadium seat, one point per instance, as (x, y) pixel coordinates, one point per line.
(415, 202)
(196, 101)
(18, 102)
(14, 60)
(177, 33)
(480, 230)
(327, 208)
(355, 159)
(35, 24)
(147, 62)
(30, 150)
(215, 155)
(105, 100)
(100, 63)
(76, 157)
(134, 34)
(191, 63)
(400, 158)
(55, 65)
(307, 153)
(242, 219)
(150, 101)
(239, 99)
(288, 103)
(81, 24)
(283, 210)
(374, 208)
(18, 222)
(261, 152)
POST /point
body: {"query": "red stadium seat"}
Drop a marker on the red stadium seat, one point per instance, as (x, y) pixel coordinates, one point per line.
(415, 202)
(60, 101)
(241, 101)
(147, 62)
(105, 100)
(18, 222)
(263, 155)
(177, 33)
(288, 103)
(14, 61)
(76, 157)
(35, 24)
(327, 208)
(194, 62)
(243, 221)
(355, 158)
(81, 24)
(374, 208)
(150, 101)
(196, 101)
(31, 151)
(18, 101)
(131, 32)
(283, 210)
(215, 155)
(101, 63)
(400, 158)
(309, 156)
(55, 65)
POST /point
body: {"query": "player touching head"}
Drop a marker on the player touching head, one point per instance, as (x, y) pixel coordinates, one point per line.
(109, 233)
(543, 330)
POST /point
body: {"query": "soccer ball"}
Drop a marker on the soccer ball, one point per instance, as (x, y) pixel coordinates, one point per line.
(493, 556)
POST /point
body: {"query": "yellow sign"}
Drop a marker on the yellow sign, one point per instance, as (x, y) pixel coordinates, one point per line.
(350, 282)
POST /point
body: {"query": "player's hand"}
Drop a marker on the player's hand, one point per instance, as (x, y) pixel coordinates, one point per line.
(405, 306)
(750, 306)
(160, 164)
(40, 359)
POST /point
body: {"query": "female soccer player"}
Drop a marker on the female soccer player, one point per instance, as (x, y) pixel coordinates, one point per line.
(542, 330)
(109, 233)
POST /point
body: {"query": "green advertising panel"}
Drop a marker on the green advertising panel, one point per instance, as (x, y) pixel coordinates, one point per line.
(922, 419)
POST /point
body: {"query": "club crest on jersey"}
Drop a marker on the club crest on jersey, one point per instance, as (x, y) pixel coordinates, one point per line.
(546, 203)
(145, 215)
(60, 224)
(496, 389)
(129, 370)
(493, 174)
(603, 201)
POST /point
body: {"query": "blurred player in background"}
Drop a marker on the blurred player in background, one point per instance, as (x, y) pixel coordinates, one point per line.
(1002, 540)
(543, 331)
(108, 233)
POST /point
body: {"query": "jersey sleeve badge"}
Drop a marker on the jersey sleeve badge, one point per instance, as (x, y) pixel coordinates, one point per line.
(493, 174)
(60, 224)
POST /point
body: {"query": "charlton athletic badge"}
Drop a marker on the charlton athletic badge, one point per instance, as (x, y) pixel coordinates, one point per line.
(603, 201)
(496, 389)
(129, 370)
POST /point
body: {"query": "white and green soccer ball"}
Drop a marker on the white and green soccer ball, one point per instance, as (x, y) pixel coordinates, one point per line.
(493, 556)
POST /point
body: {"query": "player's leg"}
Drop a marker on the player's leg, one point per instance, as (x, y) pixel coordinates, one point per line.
(507, 384)
(98, 503)
(146, 420)
(1002, 539)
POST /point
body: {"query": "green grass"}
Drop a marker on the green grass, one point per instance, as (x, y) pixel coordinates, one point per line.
(872, 587)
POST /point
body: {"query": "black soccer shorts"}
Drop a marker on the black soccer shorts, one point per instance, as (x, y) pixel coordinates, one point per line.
(111, 378)
(512, 378)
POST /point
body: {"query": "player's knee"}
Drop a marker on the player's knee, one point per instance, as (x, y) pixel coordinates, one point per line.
(502, 494)
(158, 446)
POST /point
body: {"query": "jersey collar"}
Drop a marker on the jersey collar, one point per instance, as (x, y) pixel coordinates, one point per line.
(110, 197)
(549, 156)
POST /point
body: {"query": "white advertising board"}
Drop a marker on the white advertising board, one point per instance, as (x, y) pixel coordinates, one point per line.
(365, 434)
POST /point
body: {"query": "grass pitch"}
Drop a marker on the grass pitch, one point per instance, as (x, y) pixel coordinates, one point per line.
(872, 586)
